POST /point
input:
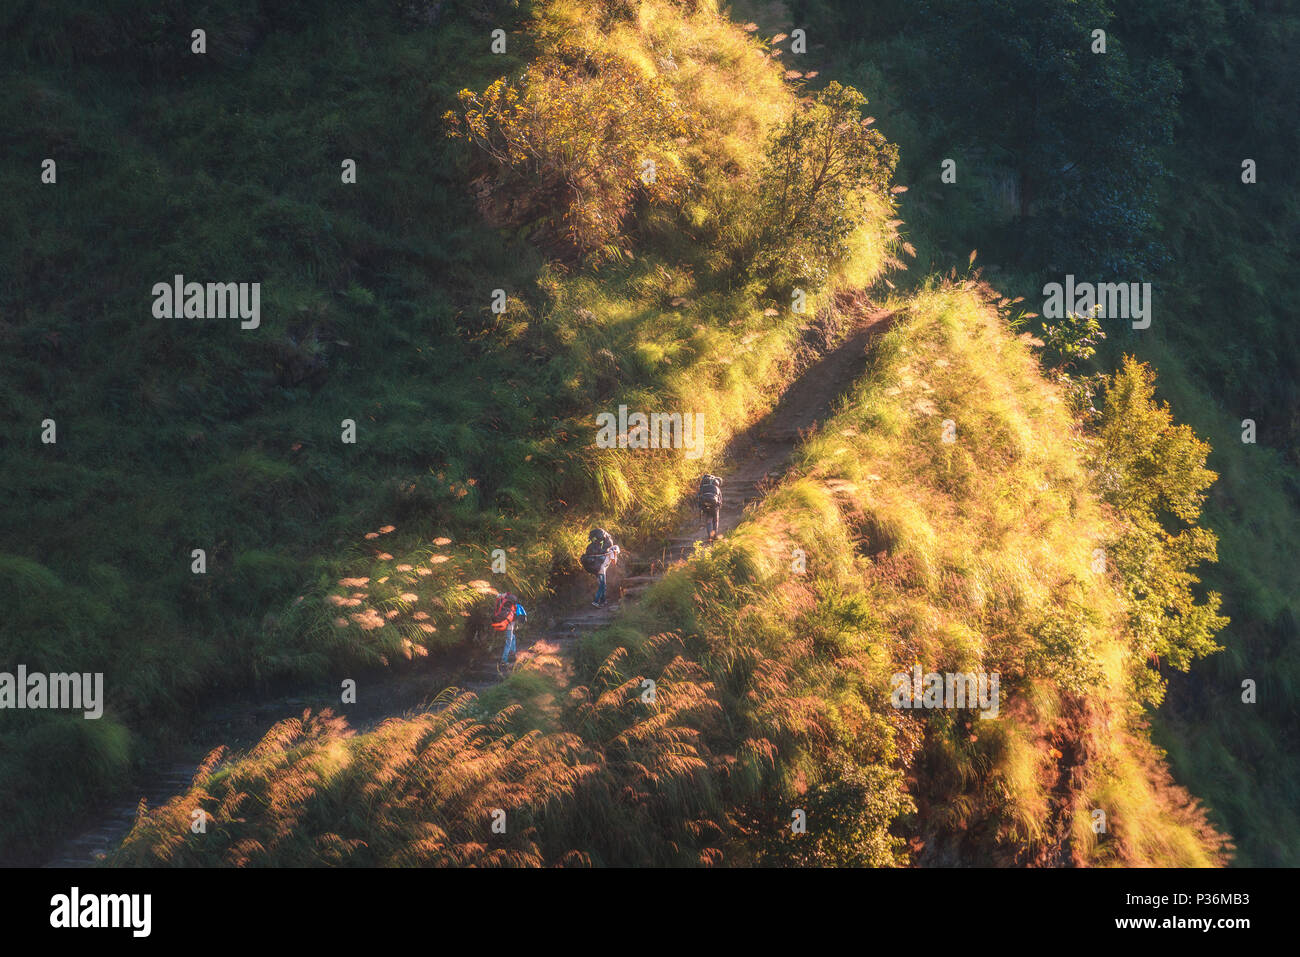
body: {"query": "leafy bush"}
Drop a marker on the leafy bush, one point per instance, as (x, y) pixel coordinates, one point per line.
(569, 145)
(1073, 339)
(819, 164)
(849, 815)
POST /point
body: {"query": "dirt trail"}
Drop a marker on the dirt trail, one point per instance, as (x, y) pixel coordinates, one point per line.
(753, 460)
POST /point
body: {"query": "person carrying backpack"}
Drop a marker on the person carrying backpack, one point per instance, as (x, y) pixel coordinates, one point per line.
(505, 612)
(600, 555)
(709, 499)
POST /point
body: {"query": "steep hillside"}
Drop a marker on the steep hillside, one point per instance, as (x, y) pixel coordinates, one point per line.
(772, 655)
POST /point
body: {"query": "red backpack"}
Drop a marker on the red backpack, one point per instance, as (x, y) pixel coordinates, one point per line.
(503, 613)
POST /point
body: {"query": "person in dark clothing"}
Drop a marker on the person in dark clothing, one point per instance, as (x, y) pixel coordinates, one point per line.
(600, 556)
(709, 499)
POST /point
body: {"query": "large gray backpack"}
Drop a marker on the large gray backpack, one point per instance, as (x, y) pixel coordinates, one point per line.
(710, 494)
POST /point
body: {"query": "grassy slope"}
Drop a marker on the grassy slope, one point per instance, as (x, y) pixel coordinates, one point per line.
(772, 680)
(474, 430)
(1223, 339)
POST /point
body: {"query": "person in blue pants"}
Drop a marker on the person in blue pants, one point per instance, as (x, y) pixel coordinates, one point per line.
(519, 615)
(611, 557)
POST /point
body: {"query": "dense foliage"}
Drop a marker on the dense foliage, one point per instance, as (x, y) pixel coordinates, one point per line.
(1154, 473)
(570, 144)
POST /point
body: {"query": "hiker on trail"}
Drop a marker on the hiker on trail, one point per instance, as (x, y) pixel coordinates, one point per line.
(505, 612)
(601, 553)
(709, 498)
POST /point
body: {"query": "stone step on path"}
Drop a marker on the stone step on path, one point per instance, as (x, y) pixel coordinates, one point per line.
(635, 584)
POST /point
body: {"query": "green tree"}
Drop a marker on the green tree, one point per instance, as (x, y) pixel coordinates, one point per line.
(569, 145)
(820, 165)
(1153, 472)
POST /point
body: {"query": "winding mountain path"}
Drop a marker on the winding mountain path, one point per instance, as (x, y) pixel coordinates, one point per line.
(754, 460)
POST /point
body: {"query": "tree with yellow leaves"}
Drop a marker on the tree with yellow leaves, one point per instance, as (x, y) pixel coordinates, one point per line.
(570, 145)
